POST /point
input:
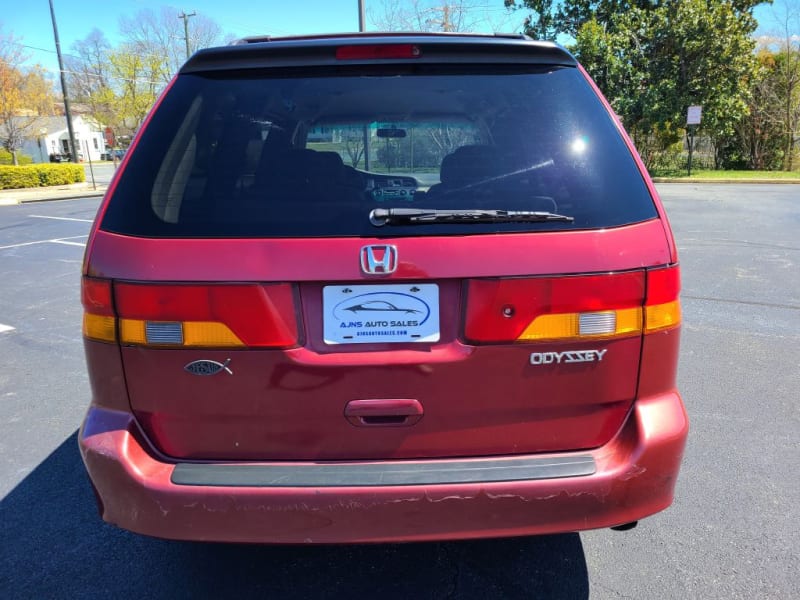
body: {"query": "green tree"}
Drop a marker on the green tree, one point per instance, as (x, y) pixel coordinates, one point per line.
(137, 85)
(701, 53)
(760, 143)
(653, 59)
(25, 95)
(549, 18)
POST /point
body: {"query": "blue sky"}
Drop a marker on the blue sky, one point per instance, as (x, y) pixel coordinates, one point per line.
(76, 18)
(30, 19)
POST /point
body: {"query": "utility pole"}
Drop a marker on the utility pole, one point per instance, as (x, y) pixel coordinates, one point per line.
(74, 149)
(446, 26)
(445, 22)
(185, 18)
(361, 18)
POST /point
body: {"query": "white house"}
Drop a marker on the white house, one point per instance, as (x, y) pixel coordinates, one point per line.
(49, 135)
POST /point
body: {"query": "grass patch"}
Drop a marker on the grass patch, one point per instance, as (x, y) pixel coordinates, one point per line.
(737, 175)
(7, 159)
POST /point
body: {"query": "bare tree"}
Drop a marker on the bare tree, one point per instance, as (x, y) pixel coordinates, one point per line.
(120, 83)
(436, 15)
(353, 139)
(789, 71)
(446, 138)
(160, 36)
(87, 65)
(89, 74)
(784, 107)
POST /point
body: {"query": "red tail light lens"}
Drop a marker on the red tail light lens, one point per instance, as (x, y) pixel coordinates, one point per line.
(190, 315)
(569, 308)
(98, 310)
(663, 285)
(576, 307)
(663, 308)
(207, 315)
(504, 310)
(96, 296)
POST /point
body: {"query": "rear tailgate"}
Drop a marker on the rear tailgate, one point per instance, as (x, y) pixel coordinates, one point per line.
(478, 390)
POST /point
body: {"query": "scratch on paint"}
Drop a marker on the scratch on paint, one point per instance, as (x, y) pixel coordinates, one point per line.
(511, 497)
(442, 499)
(399, 500)
(634, 471)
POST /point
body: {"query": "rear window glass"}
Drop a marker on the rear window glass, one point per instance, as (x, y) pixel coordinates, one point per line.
(289, 154)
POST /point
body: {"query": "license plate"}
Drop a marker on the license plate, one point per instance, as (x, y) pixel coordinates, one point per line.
(370, 314)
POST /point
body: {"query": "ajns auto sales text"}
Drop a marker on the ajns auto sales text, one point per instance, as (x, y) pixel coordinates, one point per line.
(379, 324)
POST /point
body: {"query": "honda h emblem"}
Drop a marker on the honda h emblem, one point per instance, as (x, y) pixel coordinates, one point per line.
(379, 260)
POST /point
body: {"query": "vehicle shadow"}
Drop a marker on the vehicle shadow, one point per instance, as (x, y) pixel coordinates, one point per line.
(53, 545)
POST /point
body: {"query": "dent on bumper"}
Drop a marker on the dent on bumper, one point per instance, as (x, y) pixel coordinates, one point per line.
(634, 478)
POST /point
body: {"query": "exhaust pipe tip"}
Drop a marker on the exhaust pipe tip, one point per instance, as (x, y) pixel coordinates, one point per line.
(625, 526)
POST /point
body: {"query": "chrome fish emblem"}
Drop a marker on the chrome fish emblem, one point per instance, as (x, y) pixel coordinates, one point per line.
(208, 367)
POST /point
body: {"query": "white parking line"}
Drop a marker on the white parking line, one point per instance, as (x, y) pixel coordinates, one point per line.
(60, 218)
(69, 243)
(53, 241)
(4, 328)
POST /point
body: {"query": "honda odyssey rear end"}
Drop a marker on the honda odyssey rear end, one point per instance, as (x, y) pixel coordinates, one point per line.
(381, 288)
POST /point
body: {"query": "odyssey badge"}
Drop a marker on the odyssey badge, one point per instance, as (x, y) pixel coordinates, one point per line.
(576, 356)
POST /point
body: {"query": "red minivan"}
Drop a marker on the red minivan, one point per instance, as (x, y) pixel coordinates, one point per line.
(369, 288)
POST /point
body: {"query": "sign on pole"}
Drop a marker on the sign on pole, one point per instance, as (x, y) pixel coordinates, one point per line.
(694, 115)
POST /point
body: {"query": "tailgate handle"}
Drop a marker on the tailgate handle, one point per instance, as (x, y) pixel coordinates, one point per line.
(383, 413)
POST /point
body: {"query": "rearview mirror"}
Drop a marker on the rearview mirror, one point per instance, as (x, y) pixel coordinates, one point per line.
(392, 132)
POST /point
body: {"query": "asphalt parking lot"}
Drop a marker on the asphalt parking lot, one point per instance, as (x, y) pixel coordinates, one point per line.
(732, 533)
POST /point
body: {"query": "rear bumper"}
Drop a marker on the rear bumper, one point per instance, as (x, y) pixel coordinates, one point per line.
(631, 477)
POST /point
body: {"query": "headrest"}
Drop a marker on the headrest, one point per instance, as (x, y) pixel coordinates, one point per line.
(468, 164)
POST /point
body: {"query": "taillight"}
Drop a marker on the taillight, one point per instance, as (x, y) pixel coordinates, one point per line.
(604, 306)
(662, 308)
(192, 315)
(98, 310)
(378, 51)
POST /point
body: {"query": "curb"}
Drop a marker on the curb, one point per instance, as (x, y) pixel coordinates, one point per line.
(71, 196)
(15, 197)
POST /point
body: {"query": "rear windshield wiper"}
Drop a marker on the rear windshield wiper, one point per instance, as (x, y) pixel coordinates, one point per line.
(421, 216)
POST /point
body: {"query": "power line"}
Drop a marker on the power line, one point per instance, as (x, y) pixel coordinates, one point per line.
(248, 29)
(114, 77)
(143, 55)
(41, 49)
(96, 76)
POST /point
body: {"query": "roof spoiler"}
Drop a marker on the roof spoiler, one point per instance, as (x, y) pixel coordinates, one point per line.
(259, 39)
